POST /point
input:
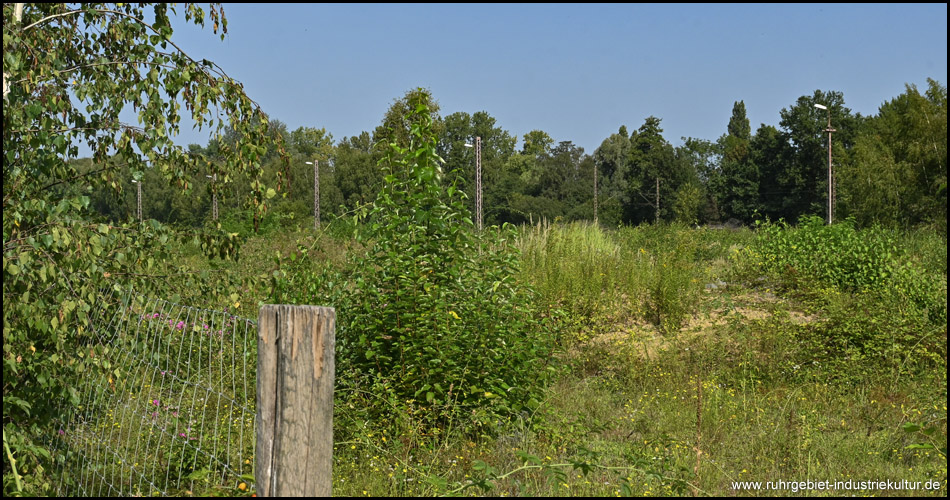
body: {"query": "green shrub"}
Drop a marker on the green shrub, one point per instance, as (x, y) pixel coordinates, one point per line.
(241, 222)
(837, 254)
(879, 307)
(841, 256)
(431, 317)
(870, 333)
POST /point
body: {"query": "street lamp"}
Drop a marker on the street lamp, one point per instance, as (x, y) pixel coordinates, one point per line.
(831, 195)
(478, 180)
(316, 193)
(138, 199)
(214, 196)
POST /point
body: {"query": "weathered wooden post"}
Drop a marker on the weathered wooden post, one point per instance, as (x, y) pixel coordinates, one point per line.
(295, 372)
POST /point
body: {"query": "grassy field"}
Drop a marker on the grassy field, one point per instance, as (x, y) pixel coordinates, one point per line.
(685, 372)
(688, 360)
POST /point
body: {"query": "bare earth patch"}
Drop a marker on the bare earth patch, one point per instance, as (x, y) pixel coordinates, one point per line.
(643, 338)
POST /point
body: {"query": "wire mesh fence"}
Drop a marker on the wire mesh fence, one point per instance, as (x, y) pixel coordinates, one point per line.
(168, 405)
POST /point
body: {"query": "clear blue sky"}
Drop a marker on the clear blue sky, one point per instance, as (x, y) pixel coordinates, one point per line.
(577, 72)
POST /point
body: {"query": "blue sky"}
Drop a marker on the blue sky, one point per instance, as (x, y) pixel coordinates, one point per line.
(577, 72)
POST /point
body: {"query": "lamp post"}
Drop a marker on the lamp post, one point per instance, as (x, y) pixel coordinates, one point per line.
(831, 195)
(214, 196)
(316, 193)
(138, 199)
(478, 180)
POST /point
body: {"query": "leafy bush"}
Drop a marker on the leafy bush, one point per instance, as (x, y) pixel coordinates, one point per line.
(837, 254)
(880, 308)
(841, 256)
(868, 331)
(432, 314)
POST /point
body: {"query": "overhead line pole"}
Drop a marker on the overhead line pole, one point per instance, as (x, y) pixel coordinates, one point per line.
(316, 193)
(214, 196)
(478, 181)
(138, 199)
(831, 193)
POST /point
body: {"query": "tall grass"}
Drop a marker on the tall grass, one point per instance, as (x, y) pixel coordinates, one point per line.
(640, 273)
(578, 266)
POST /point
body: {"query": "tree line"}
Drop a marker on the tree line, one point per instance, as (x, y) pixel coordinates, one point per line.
(889, 169)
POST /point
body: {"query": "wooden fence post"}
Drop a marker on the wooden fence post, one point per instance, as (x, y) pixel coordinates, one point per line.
(295, 371)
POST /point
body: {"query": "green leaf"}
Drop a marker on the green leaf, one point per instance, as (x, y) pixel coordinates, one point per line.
(198, 475)
(15, 401)
(528, 458)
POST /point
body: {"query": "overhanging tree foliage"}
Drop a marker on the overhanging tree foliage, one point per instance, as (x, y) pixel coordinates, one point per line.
(69, 72)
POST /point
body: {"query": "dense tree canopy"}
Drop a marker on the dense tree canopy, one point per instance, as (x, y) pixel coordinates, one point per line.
(898, 173)
(740, 175)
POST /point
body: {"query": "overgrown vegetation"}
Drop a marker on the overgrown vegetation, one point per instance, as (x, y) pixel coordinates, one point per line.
(769, 376)
(557, 358)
